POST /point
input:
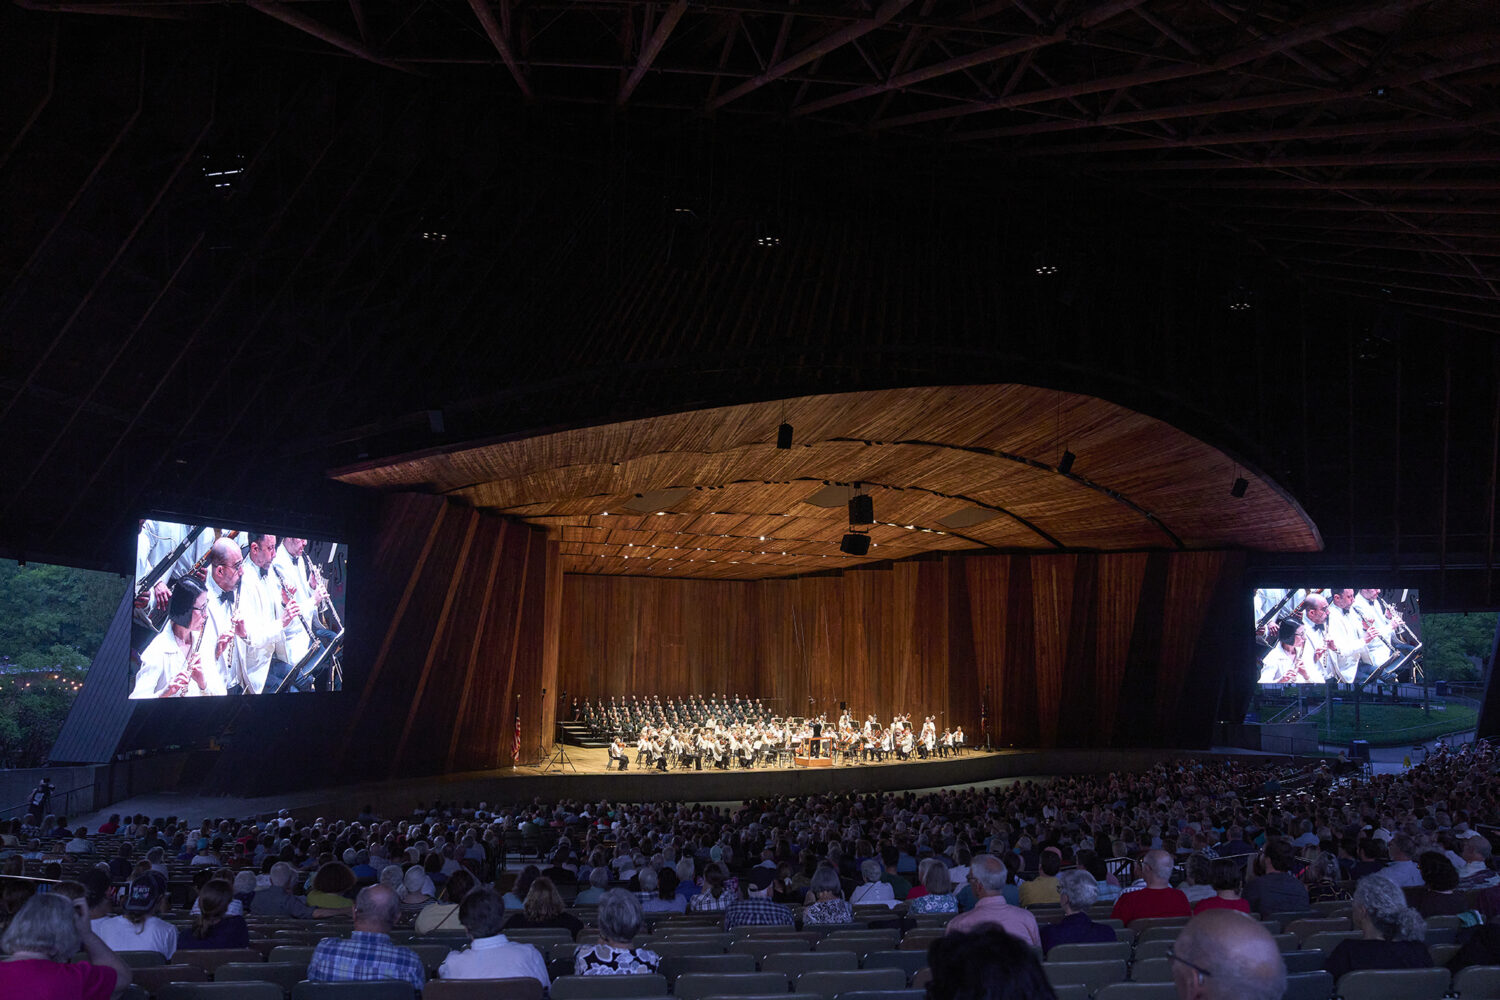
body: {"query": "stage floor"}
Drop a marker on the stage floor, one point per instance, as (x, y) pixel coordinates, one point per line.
(583, 760)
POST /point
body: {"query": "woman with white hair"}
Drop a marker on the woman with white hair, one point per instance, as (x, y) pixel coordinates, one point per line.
(1393, 933)
(873, 890)
(44, 934)
(1077, 890)
(413, 898)
(939, 897)
(619, 921)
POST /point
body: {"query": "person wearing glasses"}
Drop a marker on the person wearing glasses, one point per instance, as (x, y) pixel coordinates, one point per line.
(1224, 955)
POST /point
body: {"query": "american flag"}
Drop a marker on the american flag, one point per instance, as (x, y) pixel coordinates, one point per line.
(515, 744)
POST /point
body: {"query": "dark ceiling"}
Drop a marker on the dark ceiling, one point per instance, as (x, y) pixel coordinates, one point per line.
(248, 242)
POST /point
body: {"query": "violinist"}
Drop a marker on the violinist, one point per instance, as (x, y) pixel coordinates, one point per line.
(173, 664)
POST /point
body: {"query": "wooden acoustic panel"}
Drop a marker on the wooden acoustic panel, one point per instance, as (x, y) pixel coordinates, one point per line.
(1086, 649)
(733, 506)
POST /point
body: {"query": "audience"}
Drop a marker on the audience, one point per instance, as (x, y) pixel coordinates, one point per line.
(1156, 898)
(757, 907)
(1223, 955)
(140, 929)
(987, 877)
(368, 954)
(1076, 891)
(214, 926)
(444, 916)
(544, 908)
(47, 931)
(827, 904)
(1226, 878)
(987, 964)
(1271, 885)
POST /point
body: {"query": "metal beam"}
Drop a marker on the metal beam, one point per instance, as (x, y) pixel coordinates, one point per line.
(1005, 50)
(497, 38)
(817, 50)
(651, 49)
(1371, 159)
(317, 29)
(1162, 74)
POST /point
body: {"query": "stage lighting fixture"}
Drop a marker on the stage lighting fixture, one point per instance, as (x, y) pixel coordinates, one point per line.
(1066, 465)
(861, 509)
(1241, 484)
(768, 240)
(1240, 299)
(784, 436)
(855, 544)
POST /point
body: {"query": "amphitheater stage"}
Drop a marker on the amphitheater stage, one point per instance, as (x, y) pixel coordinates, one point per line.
(586, 779)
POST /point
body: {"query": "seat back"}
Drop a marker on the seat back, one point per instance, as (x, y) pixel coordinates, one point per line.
(695, 985)
(761, 947)
(903, 994)
(1303, 961)
(518, 988)
(1306, 927)
(142, 959)
(1308, 986)
(576, 987)
(283, 974)
(1151, 949)
(684, 946)
(673, 966)
(909, 962)
(1478, 982)
(209, 959)
(1161, 932)
(1145, 924)
(1394, 984)
(1151, 970)
(153, 979)
(1326, 941)
(376, 989)
(794, 963)
(831, 984)
(432, 955)
(295, 954)
(1137, 991)
(1090, 952)
(1095, 975)
(220, 991)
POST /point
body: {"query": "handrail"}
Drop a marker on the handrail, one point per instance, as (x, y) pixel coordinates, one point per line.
(23, 808)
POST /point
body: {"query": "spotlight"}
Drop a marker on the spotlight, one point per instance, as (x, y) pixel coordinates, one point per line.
(784, 436)
(1240, 486)
(1066, 465)
(768, 240)
(1240, 299)
(855, 544)
(861, 509)
(434, 236)
(1043, 265)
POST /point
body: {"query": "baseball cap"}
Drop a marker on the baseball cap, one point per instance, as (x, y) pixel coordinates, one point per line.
(760, 878)
(145, 892)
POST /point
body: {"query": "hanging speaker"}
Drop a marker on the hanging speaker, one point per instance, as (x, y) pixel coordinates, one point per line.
(784, 436)
(855, 544)
(861, 509)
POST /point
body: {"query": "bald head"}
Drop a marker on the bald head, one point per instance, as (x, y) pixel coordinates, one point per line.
(1157, 865)
(376, 909)
(1235, 959)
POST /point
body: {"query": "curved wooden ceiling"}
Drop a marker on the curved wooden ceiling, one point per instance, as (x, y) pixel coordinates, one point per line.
(707, 493)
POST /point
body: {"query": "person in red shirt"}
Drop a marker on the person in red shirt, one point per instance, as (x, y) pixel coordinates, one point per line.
(1158, 899)
(1227, 876)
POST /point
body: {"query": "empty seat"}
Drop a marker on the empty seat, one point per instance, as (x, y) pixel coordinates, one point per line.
(1306, 927)
(682, 946)
(919, 938)
(1394, 984)
(220, 991)
(378, 989)
(1090, 952)
(794, 963)
(695, 985)
(761, 947)
(1442, 953)
(1152, 970)
(1477, 982)
(1094, 975)
(1137, 991)
(832, 984)
(902, 994)
(209, 959)
(1303, 961)
(1285, 942)
(1151, 949)
(295, 954)
(909, 962)
(1308, 986)
(673, 966)
(765, 930)
(1145, 924)
(571, 987)
(1071, 991)
(1326, 941)
(283, 974)
(1161, 932)
(142, 959)
(153, 979)
(520, 988)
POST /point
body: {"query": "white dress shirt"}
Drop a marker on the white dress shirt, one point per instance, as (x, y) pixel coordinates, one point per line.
(260, 606)
(297, 641)
(228, 666)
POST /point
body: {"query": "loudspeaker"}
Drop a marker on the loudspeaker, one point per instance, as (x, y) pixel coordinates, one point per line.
(784, 436)
(855, 544)
(861, 509)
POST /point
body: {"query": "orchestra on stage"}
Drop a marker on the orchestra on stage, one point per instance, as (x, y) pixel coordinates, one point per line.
(694, 732)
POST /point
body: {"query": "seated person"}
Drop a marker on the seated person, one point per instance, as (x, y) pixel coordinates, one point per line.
(490, 955)
(619, 921)
(213, 927)
(1076, 891)
(41, 940)
(1438, 895)
(368, 954)
(974, 966)
(1393, 933)
(444, 916)
(140, 929)
(544, 907)
(1226, 877)
(1158, 898)
(1222, 955)
(828, 905)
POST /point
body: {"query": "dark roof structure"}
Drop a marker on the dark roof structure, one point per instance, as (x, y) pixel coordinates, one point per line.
(247, 243)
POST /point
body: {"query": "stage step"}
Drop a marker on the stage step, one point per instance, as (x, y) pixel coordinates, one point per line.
(577, 734)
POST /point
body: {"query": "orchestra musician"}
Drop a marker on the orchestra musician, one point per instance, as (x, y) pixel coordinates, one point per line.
(1349, 636)
(175, 664)
(1290, 660)
(154, 542)
(266, 612)
(225, 629)
(1323, 644)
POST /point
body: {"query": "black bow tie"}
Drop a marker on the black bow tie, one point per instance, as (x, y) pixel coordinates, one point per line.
(226, 597)
(263, 571)
(294, 559)
(1344, 610)
(1318, 627)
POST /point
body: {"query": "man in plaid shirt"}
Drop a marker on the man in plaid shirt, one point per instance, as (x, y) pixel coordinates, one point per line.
(368, 954)
(757, 908)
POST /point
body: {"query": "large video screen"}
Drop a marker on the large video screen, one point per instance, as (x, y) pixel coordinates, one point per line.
(1345, 636)
(227, 611)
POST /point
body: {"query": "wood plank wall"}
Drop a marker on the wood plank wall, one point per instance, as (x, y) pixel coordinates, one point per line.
(469, 606)
(1075, 649)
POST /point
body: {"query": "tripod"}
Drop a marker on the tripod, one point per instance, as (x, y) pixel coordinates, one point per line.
(559, 758)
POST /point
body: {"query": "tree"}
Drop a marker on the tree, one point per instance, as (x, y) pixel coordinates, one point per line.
(1454, 643)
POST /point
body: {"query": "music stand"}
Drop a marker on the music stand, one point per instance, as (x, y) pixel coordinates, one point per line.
(311, 662)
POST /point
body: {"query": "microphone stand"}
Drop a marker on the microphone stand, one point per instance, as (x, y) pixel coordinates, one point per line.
(559, 760)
